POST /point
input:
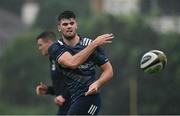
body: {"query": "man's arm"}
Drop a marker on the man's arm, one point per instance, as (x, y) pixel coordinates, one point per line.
(107, 73)
(105, 76)
(73, 61)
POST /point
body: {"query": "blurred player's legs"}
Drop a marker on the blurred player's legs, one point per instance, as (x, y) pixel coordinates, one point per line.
(86, 105)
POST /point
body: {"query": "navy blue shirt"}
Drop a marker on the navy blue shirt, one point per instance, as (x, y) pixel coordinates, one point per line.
(79, 79)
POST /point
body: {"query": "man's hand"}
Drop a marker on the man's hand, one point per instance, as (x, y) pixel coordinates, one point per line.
(59, 100)
(41, 89)
(93, 88)
(103, 39)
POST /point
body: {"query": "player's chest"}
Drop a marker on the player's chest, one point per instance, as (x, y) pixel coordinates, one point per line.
(74, 50)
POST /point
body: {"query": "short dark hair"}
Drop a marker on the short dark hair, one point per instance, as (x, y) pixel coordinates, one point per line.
(66, 15)
(46, 35)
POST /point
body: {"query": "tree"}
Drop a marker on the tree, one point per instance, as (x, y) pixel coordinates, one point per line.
(12, 6)
(54, 7)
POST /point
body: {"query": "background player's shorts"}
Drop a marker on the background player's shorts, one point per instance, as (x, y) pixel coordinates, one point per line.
(86, 105)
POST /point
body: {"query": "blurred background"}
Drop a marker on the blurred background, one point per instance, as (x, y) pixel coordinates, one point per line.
(138, 26)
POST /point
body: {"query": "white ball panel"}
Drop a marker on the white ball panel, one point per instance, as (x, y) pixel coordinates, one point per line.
(153, 57)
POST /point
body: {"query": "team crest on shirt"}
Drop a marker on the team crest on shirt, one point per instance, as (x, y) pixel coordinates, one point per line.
(86, 65)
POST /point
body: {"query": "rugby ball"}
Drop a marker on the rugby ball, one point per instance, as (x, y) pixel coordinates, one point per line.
(153, 61)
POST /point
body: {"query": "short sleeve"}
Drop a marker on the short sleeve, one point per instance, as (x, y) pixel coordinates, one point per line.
(100, 57)
(56, 50)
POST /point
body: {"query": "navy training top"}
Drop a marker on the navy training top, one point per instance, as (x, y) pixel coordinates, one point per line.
(79, 79)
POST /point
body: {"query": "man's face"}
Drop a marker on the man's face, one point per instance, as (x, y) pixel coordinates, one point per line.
(43, 46)
(68, 27)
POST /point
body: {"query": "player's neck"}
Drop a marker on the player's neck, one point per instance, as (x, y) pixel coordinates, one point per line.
(72, 42)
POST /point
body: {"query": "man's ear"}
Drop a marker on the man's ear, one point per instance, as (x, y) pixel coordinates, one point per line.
(50, 41)
(59, 29)
(76, 26)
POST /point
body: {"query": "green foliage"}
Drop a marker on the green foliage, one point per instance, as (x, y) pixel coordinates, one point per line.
(12, 5)
(159, 7)
(54, 7)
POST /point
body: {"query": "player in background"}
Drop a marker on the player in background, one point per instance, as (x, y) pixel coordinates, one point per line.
(58, 89)
(77, 58)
